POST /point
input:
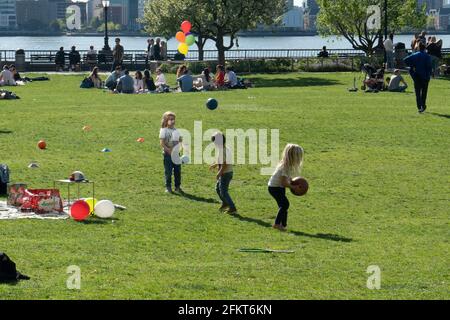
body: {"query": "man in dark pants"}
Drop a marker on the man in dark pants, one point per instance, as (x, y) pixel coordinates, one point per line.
(420, 70)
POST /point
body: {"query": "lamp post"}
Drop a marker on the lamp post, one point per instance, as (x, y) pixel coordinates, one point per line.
(105, 7)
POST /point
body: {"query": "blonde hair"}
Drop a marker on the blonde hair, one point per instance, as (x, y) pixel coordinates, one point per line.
(292, 160)
(165, 118)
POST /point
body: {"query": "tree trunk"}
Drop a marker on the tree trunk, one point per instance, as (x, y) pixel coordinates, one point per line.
(200, 45)
(220, 50)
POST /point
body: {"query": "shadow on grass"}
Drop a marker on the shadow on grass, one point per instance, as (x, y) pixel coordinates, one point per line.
(99, 220)
(5, 132)
(446, 116)
(293, 82)
(331, 237)
(196, 198)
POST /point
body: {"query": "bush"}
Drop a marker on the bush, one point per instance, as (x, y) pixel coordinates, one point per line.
(273, 65)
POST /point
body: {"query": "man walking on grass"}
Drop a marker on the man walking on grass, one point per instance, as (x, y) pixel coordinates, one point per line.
(420, 71)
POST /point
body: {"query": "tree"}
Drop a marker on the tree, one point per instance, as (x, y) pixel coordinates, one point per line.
(95, 23)
(54, 26)
(212, 19)
(348, 18)
(170, 14)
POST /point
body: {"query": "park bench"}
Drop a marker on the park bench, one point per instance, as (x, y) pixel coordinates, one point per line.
(42, 59)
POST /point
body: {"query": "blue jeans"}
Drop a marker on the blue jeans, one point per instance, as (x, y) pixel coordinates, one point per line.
(222, 189)
(390, 60)
(170, 167)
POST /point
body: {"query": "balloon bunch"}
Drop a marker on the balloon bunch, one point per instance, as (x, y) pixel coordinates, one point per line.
(185, 37)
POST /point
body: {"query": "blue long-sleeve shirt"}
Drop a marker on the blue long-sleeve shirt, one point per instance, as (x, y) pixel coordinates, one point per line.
(420, 63)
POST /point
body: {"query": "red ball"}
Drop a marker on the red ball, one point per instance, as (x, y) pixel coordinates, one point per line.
(80, 210)
(42, 144)
(299, 186)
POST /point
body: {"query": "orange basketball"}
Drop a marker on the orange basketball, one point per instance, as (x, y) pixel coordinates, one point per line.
(42, 145)
(299, 186)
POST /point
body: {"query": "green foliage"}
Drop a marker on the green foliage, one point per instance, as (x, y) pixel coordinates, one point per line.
(211, 19)
(348, 18)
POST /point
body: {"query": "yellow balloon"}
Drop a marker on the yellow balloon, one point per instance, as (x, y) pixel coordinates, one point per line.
(91, 202)
(183, 48)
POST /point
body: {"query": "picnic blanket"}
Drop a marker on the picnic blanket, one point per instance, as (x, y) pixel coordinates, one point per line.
(11, 213)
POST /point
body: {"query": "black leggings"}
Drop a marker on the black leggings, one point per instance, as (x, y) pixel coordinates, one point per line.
(283, 204)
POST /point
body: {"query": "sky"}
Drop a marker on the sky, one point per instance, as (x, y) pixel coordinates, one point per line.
(298, 2)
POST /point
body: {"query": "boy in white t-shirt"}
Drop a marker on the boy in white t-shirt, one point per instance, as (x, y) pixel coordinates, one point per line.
(169, 139)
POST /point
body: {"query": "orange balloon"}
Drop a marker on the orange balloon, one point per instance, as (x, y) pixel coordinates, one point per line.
(186, 26)
(181, 37)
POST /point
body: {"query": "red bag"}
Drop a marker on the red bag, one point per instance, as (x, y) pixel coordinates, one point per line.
(42, 201)
(15, 195)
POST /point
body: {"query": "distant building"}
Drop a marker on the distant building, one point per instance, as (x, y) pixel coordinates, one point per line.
(294, 18)
(32, 13)
(444, 16)
(141, 6)
(310, 16)
(8, 18)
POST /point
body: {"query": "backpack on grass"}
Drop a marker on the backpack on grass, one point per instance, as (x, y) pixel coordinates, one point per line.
(8, 271)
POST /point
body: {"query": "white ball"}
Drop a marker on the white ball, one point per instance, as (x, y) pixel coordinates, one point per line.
(185, 159)
(104, 209)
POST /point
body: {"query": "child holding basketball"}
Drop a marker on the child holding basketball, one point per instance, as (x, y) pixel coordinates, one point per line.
(170, 139)
(288, 168)
(224, 174)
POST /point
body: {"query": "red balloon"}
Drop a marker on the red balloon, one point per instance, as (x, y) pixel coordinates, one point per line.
(186, 26)
(80, 210)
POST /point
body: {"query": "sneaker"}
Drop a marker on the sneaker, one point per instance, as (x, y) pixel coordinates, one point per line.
(231, 211)
(179, 190)
(169, 191)
(279, 227)
(421, 110)
(223, 208)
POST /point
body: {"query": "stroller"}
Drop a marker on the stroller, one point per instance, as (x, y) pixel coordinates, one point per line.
(374, 79)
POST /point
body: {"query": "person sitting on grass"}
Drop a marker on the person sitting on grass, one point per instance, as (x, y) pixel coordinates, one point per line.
(186, 82)
(149, 84)
(125, 83)
(220, 77)
(95, 78)
(394, 82)
(138, 82)
(160, 79)
(205, 82)
(231, 80)
(111, 81)
(6, 77)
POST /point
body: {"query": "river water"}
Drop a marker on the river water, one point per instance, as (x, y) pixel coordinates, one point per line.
(139, 43)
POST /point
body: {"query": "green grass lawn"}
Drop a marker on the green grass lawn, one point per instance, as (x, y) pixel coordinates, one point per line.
(379, 194)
